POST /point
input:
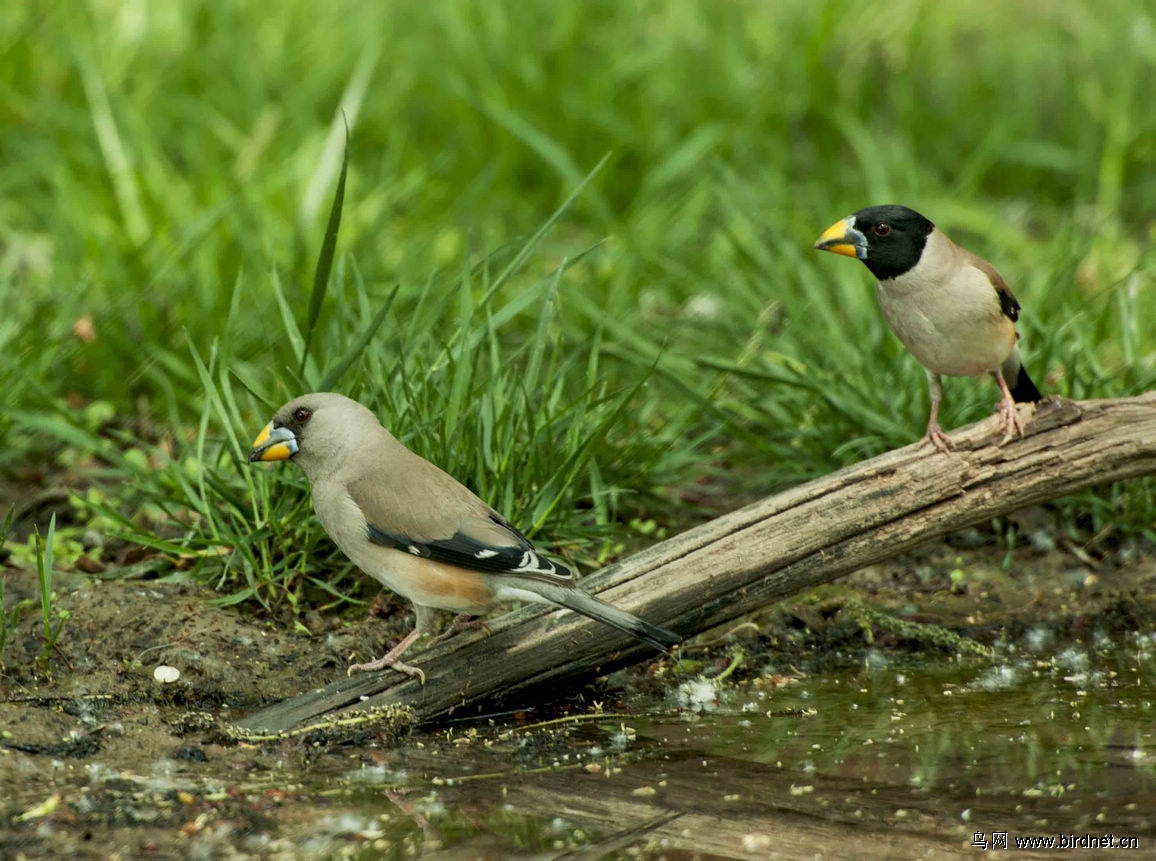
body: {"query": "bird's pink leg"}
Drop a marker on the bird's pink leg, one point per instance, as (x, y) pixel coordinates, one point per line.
(934, 434)
(1009, 418)
(392, 660)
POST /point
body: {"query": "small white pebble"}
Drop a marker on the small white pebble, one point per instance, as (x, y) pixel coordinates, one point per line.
(166, 675)
(756, 842)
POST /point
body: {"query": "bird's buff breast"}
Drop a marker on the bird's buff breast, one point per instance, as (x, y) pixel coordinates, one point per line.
(430, 584)
(955, 329)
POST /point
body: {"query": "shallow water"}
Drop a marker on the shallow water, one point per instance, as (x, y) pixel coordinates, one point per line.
(1080, 723)
(880, 759)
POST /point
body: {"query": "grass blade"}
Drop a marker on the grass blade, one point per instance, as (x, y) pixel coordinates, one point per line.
(527, 249)
(325, 258)
(338, 370)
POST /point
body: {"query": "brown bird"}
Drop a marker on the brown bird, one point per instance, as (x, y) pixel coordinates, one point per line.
(416, 529)
(949, 307)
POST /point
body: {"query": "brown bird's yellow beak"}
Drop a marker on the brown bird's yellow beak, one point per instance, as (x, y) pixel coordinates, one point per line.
(842, 237)
(273, 444)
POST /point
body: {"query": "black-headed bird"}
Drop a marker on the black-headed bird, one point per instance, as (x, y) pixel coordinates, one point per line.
(948, 306)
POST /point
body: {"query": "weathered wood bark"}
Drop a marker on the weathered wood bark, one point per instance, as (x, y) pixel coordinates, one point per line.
(764, 552)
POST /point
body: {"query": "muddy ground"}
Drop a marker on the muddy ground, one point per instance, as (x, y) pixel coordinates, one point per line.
(101, 760)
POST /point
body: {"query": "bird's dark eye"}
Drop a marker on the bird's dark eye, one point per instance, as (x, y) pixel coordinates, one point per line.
(881, 229)
(302, 414)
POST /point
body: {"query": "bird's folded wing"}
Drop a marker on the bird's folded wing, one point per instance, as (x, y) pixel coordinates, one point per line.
(1007, 300)
(444, 522)
(466, 552)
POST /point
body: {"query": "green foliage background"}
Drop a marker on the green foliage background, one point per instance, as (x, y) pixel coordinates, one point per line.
(167, 169)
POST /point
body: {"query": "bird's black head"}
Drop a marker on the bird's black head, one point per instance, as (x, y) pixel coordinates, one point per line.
(888, 239)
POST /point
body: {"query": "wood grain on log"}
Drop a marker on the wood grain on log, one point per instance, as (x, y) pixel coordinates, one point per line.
(779, 546)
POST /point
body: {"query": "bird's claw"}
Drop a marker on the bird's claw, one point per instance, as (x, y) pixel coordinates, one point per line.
(1010, 422)
(461, 622)
(387, 661)
(938, 438)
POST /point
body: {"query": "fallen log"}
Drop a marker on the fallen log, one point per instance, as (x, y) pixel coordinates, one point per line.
(745, 560)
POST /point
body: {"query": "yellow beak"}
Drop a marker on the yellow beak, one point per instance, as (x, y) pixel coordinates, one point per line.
(843, 238)
(273, 444)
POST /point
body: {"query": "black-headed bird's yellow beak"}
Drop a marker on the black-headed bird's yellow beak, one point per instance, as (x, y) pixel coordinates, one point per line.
(844, 238)
(273, 444)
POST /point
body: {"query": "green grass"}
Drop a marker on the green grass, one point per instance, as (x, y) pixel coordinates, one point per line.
(52, 617)
(574, 264)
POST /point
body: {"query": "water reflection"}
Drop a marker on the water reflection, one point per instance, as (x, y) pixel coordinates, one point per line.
(882, 759)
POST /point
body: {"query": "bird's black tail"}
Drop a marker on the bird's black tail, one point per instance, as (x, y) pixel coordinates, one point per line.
(1023, 390)
(582, 602)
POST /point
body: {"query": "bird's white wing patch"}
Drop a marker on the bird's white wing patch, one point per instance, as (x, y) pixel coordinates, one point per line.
(470, 553)
(532, 563)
